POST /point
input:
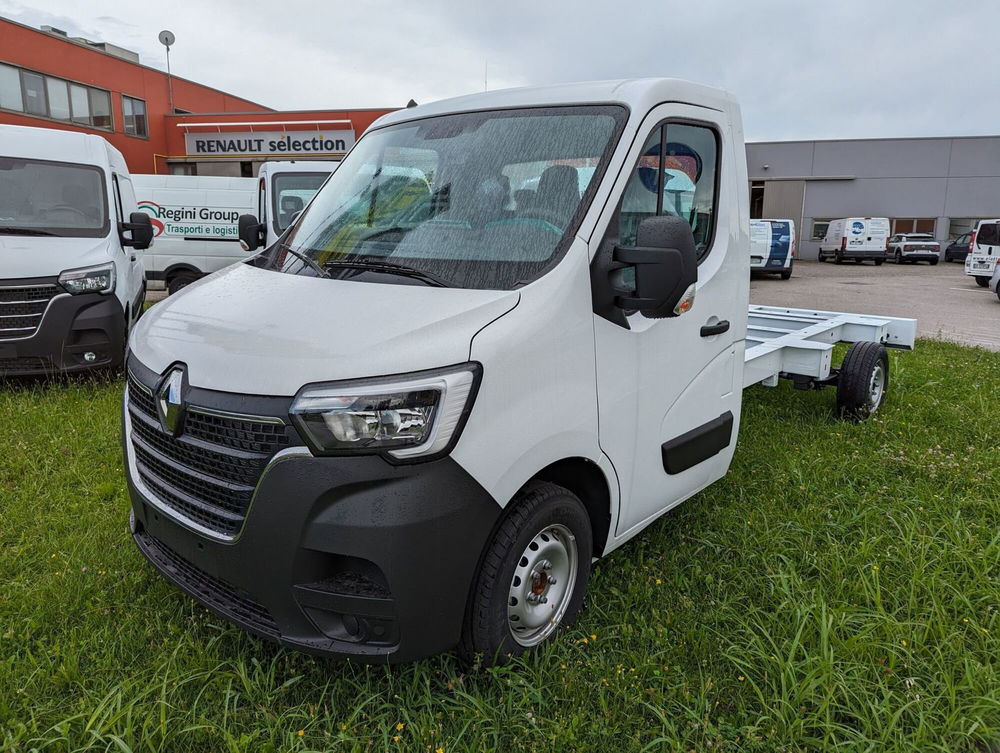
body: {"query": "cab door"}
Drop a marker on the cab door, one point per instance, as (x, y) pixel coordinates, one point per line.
(669, 390)
(134, 266)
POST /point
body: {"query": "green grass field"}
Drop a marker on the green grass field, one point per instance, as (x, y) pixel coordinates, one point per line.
(838, 590)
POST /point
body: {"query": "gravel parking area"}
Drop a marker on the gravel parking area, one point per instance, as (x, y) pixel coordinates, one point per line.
(946, 302)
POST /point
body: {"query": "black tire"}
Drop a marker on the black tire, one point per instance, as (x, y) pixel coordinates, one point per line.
(857, 396)
(858, 261)
(838, 257)
(179, 281)
(898, 258)
(786, 274)
(983, 282)
(934, 262)
(487, 632)
(878, 262)
(821, 257)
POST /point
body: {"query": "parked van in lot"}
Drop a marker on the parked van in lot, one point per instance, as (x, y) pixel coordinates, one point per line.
(772, 247)
(411, 424)
(195, 217)
(284, 189)
(71, 275)
(984, 250)
(194, 222)
(857, 238)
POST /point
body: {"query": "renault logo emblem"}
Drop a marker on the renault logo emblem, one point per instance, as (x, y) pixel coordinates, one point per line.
(170, 402)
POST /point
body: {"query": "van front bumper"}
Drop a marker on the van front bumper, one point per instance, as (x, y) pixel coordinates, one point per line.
(70, 327)
(350, 557)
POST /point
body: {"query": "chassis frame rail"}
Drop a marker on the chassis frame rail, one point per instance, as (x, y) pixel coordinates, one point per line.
(785, 342)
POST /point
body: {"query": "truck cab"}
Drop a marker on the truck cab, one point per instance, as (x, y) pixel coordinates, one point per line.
(505, 336)
(284, 189)
(71, 267)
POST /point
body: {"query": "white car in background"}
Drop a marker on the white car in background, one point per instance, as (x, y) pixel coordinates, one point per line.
(914, 247)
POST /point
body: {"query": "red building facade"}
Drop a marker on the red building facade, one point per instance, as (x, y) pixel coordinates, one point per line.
(50, 80)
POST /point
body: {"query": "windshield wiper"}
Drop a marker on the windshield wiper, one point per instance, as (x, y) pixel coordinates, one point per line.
(392, 269)
(23, 231)
(316, 267)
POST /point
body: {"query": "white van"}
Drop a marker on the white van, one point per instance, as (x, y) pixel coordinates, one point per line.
(984, 250)
(195, 217)
(772, 247)
(71, 275)
(856, 238)
(413, 423)
(194, 223)
(284, 189)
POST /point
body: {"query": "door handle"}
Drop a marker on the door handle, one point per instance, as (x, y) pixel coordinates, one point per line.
(709, 330)
(132, 257)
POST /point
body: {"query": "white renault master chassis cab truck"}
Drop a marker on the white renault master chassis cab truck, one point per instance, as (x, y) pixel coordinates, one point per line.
(412, 423)
(71, 277)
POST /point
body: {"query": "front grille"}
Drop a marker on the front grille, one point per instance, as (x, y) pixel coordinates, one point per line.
(208, 474)
(21, 308)
(212, 591)
(26, 365)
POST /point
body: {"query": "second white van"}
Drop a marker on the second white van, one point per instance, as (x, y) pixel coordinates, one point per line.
(856, 238)
(984, 250)
(772, 247)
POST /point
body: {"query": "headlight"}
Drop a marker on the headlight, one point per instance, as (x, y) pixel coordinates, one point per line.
(408, 417)
(89, 280)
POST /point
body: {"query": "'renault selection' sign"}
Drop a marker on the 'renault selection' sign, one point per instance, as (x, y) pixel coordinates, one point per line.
(268, 143)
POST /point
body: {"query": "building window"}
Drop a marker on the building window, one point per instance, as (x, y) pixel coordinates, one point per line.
(33, 89)
(50, 97)
(907, 225)
(10, 88)
(819, 229)
(134, 116)
(183, 168)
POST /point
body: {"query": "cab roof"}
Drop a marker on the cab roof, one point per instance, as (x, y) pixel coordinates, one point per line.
(639, 95)
(57, 145)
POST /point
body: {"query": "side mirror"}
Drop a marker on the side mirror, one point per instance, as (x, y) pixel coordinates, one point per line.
(140, 227)
(251, 232)
(665, 260)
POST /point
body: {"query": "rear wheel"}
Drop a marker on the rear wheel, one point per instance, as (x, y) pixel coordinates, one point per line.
(898, 258)
(786, 274)
(863, 381)
(839, 257)
(934, 262)
(878, 262)
(533, 575)
(821, 257)
(179, 281)
(983, 282)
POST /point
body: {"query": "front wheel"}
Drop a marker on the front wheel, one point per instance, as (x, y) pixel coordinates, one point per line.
(180, 281)
(533, 575)
(983, 282)
(863, 381)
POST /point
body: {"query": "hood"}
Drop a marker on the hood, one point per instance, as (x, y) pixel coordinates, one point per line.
(262, 332)
(47, 256)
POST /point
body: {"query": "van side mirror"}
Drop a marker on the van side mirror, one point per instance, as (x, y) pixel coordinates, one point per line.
(251, 232)
(665, 260)
(141, 228)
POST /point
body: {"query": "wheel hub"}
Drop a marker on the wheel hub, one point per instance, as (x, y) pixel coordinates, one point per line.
(542, 585)
(876, 387)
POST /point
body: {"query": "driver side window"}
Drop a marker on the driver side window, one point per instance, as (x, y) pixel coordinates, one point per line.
(675, 175)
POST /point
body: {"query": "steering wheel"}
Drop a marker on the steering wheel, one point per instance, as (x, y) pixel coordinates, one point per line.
(545, 215)
(67, 208)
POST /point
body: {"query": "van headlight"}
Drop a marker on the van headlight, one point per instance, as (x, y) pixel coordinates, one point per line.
(408, 417)
(89, 279)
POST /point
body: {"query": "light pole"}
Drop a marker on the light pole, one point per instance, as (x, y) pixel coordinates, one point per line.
(166, 39)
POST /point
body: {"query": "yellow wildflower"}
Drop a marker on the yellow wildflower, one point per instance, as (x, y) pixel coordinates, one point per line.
(301, 732)
(399, 727)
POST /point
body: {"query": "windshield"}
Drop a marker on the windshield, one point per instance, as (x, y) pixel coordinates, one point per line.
(476, 200)
(39, 197)
(290, 193)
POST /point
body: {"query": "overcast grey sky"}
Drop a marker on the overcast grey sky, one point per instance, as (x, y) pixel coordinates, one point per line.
(800, 69)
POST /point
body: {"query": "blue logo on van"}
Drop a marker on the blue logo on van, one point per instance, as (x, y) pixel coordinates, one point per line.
(857, 228)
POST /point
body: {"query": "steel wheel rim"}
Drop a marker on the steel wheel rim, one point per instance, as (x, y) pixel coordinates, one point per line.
(876, 387)
(542, 585)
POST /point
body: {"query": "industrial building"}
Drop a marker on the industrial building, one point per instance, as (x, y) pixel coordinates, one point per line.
(160, 124)
(934, 185)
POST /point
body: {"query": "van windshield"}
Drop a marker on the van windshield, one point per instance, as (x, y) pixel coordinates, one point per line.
(38, 197)
(482, 200)
(290, 193)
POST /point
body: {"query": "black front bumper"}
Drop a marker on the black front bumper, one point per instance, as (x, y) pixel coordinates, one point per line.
(71, 326)
(351, 557)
